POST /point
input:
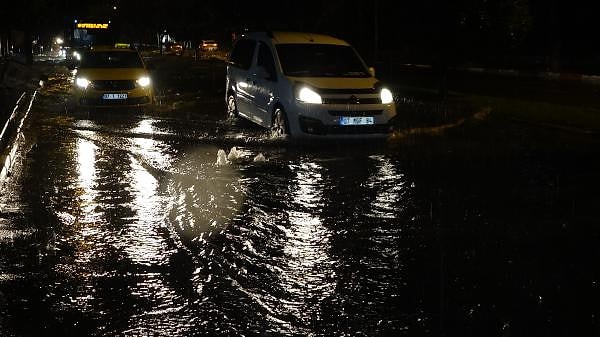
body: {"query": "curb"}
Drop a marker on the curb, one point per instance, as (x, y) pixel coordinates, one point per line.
(11, 135)
(437, 130)
(547, 75)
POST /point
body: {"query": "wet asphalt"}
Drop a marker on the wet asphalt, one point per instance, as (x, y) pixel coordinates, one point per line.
(122, 223)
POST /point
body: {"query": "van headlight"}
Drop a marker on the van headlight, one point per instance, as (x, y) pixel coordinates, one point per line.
(386, 96)
(307, 95)
(82, 82)
(143, 81)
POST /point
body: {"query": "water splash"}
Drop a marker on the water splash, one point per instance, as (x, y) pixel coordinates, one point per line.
(222, 158)
(260, 158)
(234, 154)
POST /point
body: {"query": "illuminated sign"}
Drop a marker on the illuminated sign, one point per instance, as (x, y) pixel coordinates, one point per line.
(92, 25)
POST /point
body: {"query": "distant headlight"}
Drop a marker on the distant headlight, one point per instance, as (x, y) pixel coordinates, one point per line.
(143, 81)
(386, 96)
(82, 82)
(77, 56)
(307, 95)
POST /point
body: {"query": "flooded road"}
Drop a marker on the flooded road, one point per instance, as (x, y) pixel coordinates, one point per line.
(123, 224)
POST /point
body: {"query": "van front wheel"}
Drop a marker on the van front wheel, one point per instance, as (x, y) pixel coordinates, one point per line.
(279, 126)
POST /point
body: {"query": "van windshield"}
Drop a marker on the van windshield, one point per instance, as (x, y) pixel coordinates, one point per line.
(320, 60)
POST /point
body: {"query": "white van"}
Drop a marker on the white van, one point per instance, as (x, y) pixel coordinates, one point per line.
(305, 85)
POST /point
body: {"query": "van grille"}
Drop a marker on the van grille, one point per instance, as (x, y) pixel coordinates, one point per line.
(350, 96)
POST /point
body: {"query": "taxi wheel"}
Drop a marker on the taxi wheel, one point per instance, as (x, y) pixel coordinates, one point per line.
(232, 111)
(69, 106)
(149, 109)
(67, 109)
(279, 126)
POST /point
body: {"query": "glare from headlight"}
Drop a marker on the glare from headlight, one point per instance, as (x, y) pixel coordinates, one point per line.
(144, 81)
(386, 96)
(82, 82)
(307, 95)
(77, 56)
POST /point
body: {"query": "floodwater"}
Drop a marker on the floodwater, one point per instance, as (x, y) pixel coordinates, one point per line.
(124, 225)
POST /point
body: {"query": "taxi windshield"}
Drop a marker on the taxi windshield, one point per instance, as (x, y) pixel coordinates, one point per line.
(111, 59)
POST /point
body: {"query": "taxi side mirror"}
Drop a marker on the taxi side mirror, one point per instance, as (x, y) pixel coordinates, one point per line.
(372, 71)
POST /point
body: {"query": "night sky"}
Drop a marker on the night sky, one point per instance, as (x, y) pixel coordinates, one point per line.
(561, 35)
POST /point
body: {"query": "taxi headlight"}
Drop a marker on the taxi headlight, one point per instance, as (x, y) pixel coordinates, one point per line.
(386, 96)
(307, 95)
(143, 81)
(82, 82)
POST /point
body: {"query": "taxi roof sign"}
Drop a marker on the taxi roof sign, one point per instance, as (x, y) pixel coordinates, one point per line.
(88, 25)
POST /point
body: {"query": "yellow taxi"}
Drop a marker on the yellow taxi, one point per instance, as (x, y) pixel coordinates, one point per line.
(110, 77)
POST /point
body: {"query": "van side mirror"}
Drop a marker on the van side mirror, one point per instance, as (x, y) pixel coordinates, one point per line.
(372, 71)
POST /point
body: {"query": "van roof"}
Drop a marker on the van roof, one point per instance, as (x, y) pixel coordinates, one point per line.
(283, 37)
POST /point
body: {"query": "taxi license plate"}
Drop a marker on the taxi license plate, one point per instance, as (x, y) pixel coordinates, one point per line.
(356, 121)
(114, 96)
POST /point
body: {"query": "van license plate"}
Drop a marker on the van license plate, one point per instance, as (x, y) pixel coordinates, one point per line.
(114, 96)
(356, 121)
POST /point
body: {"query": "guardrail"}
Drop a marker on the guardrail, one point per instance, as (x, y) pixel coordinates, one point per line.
(18, 87)
(11, 135)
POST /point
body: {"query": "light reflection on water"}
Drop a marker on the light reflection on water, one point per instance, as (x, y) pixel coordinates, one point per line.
(143, 244)
(135, 235)
(164, 241)
(388, 184)
(86, 167)
(154, 152)
(262, 237)
(205, 197)
(86, 226)
(306, 263)
(277, 253)
(132, 237)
